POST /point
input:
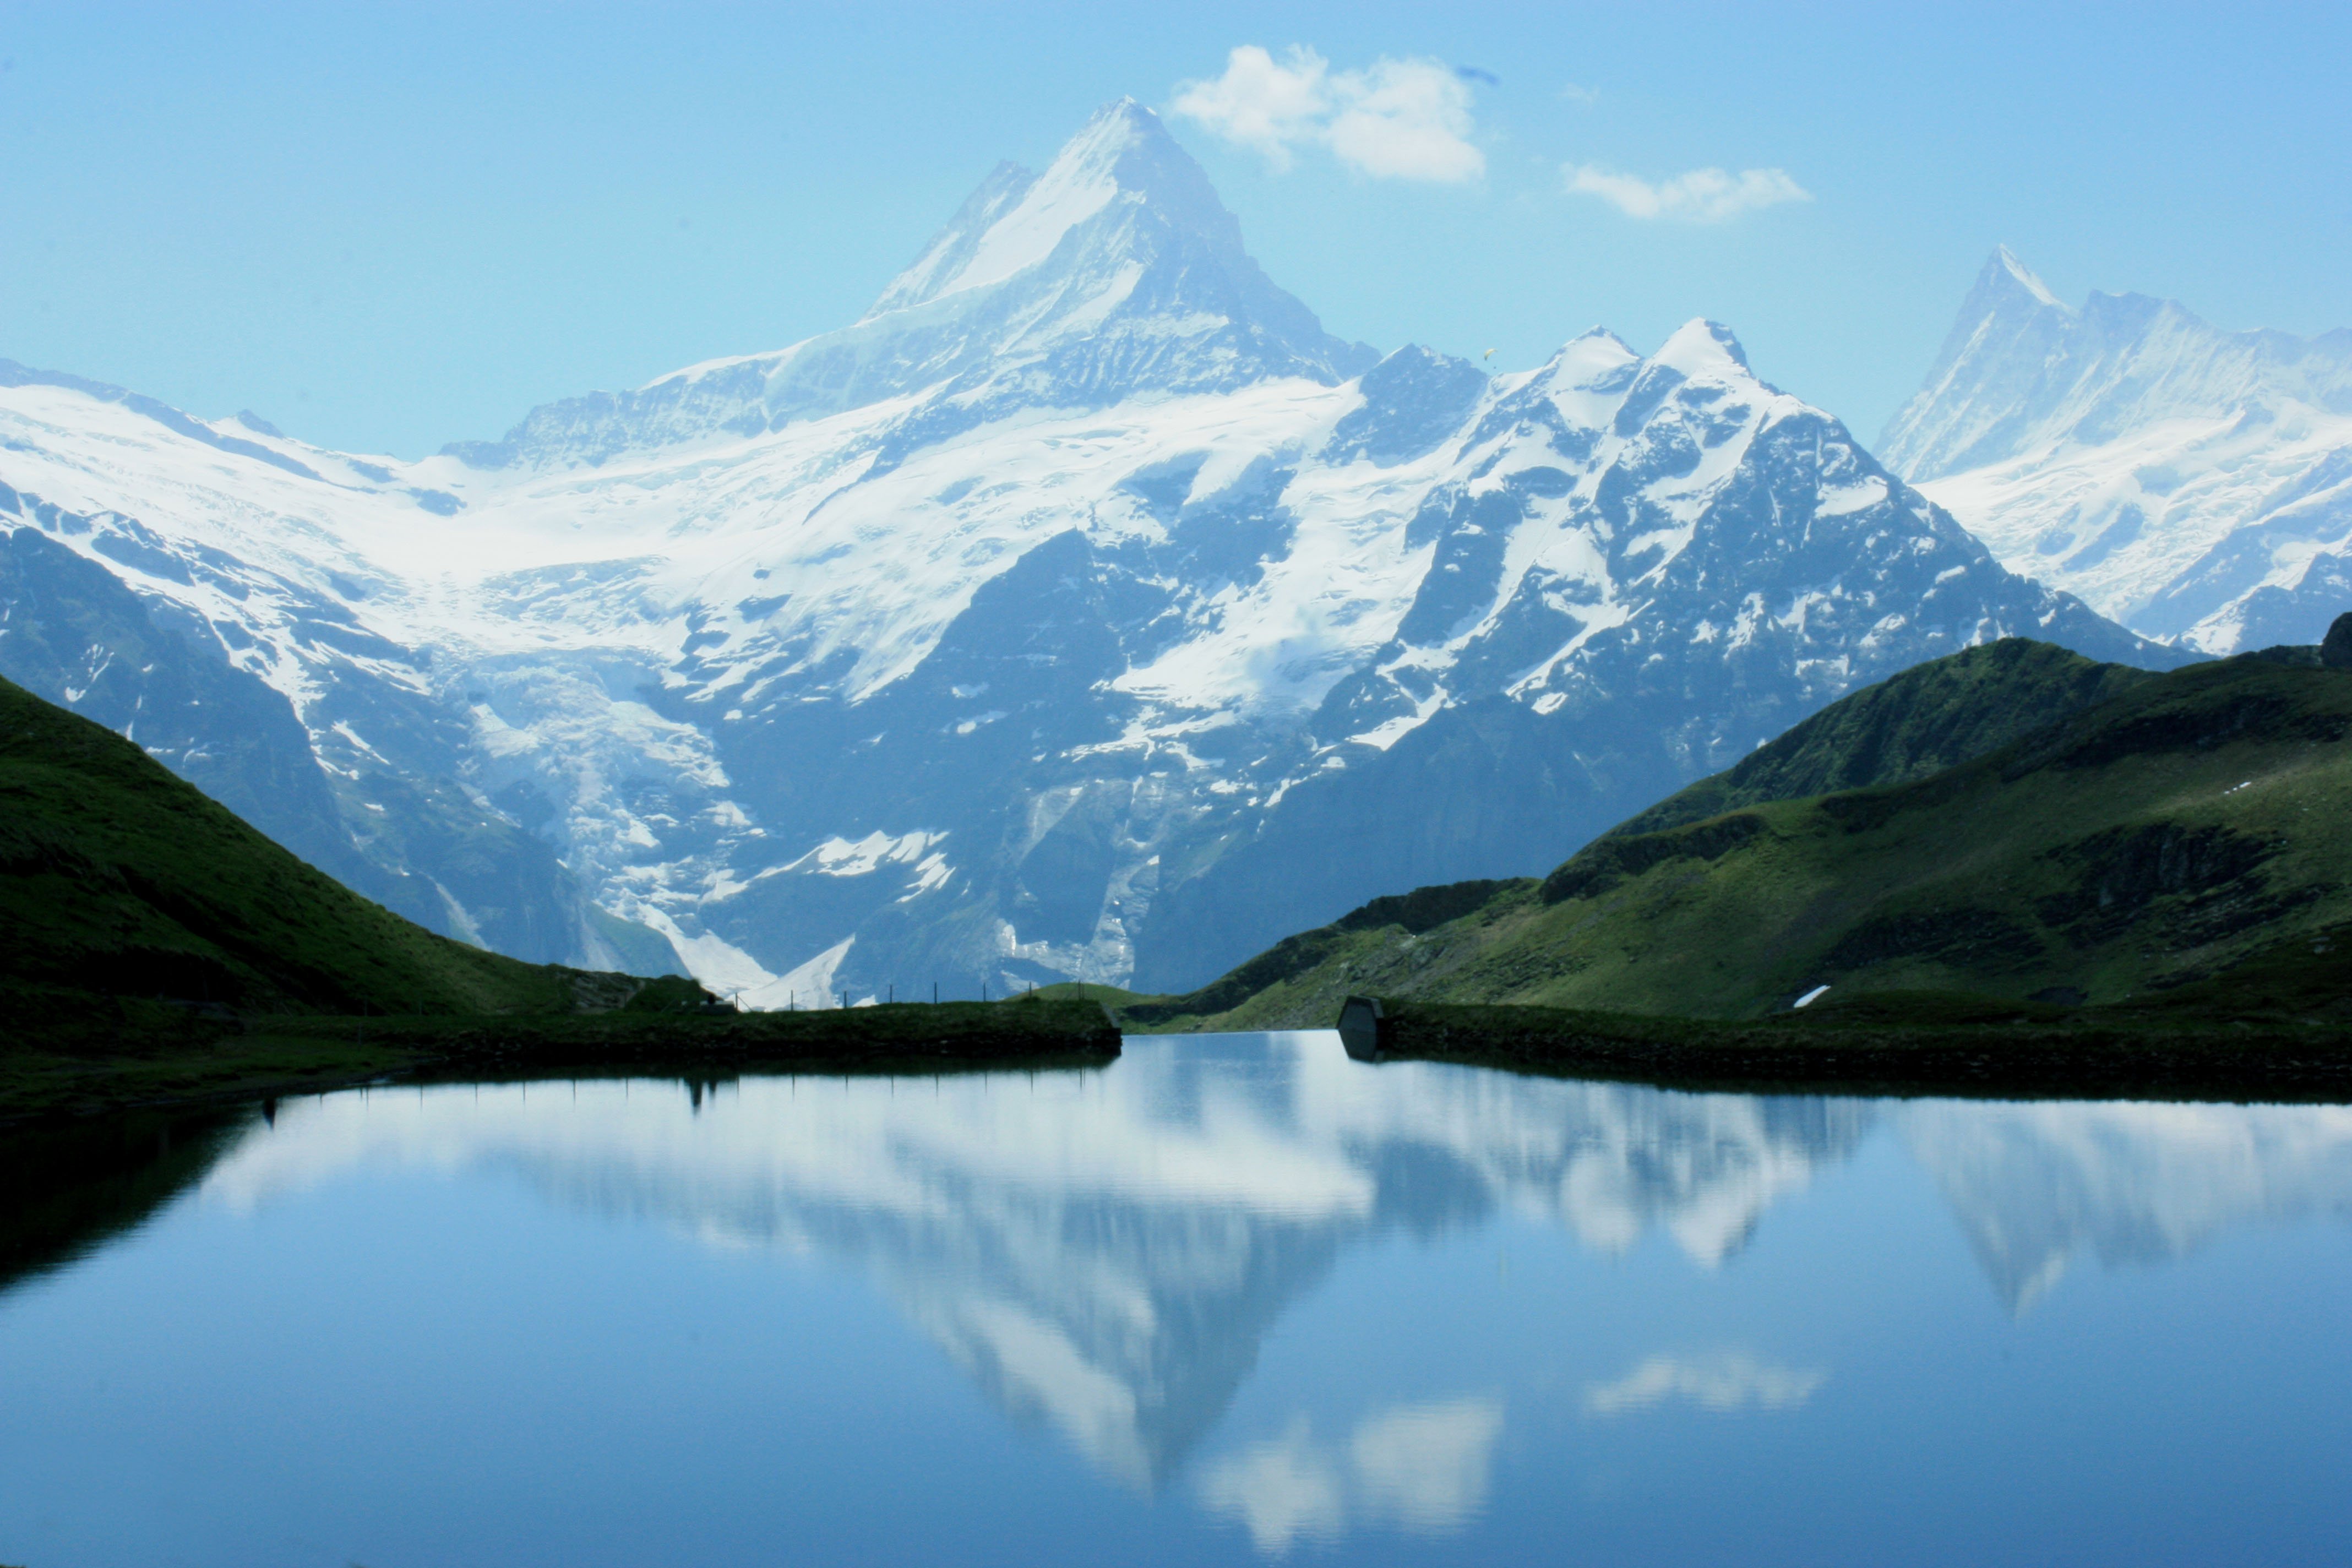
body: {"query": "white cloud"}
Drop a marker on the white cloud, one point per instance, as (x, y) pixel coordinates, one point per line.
(1404, 119)
(1712, 1383)
(1261, 103)
(1702, 195)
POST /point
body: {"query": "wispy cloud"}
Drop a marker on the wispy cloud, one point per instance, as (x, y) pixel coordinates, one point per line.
(1702, 195)
(1403, 120)
(1712, 1383)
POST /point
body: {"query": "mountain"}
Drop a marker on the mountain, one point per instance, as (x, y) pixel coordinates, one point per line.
(2195, 484)
(1116, 272)
(2113, 833)
(1085, 611)
(118, 878)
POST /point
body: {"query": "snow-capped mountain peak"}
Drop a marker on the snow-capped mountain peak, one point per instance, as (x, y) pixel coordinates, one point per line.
(1595, 363)
(1976, 399)
(1701, 348)
(2191, 482)
(1116, 270)
(2004, 260)
(1016, 219)
(2020, 371)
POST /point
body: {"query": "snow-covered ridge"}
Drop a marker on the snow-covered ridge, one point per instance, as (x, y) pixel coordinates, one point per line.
(2189, 481)
(2021, 373)
(1016, 219)
(2025, 276)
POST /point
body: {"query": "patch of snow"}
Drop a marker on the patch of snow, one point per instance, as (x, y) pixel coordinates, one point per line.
(842, 857)
(808, 985)
(1845, 499)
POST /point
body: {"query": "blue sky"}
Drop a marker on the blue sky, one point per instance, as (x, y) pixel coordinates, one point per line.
(390, 227)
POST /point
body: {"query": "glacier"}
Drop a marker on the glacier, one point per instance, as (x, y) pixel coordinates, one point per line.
(2194, 484)
(1083, 611)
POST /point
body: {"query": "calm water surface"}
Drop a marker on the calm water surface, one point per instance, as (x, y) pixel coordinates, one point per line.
(1233, 1299)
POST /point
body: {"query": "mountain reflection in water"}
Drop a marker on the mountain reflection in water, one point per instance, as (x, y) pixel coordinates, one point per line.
(1280, 1300)
(1102, 1250)
(1106, 1250)
(2036, 1185)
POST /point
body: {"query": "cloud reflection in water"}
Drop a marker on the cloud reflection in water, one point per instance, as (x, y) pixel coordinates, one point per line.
(1421, 1466)
(1723, 1382)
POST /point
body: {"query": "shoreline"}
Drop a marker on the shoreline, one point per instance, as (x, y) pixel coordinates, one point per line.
(2024, 1052)
(2035, 1053)
(205, 1061)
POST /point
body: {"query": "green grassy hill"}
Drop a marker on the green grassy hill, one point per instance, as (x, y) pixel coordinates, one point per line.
(1931, 716)
(119, 881)
(2029, 825)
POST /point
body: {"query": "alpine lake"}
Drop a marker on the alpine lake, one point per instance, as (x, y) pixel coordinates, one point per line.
(1231, 1299)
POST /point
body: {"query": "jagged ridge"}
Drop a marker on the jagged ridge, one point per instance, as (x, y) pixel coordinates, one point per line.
(2193, 483)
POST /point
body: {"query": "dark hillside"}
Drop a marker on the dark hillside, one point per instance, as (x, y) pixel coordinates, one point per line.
(1410, 914)
(1931, 716)
(118, 878)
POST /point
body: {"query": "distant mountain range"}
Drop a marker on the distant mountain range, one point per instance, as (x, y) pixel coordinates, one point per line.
(1083, 611)
(2193, 483)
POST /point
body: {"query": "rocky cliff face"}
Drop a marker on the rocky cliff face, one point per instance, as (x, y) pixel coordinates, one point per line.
(2193, 483)
(1085, 610)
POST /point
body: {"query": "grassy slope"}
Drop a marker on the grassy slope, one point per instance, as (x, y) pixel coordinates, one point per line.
(2109, 853)
(1931, 716)
(118, 878)
(1403, 915)
(154, 949)
(185, 1060)
(2278, 1027)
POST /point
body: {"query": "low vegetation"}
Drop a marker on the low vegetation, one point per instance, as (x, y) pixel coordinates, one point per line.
(119, 881)
(2276, 1027)
(170, 1057)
